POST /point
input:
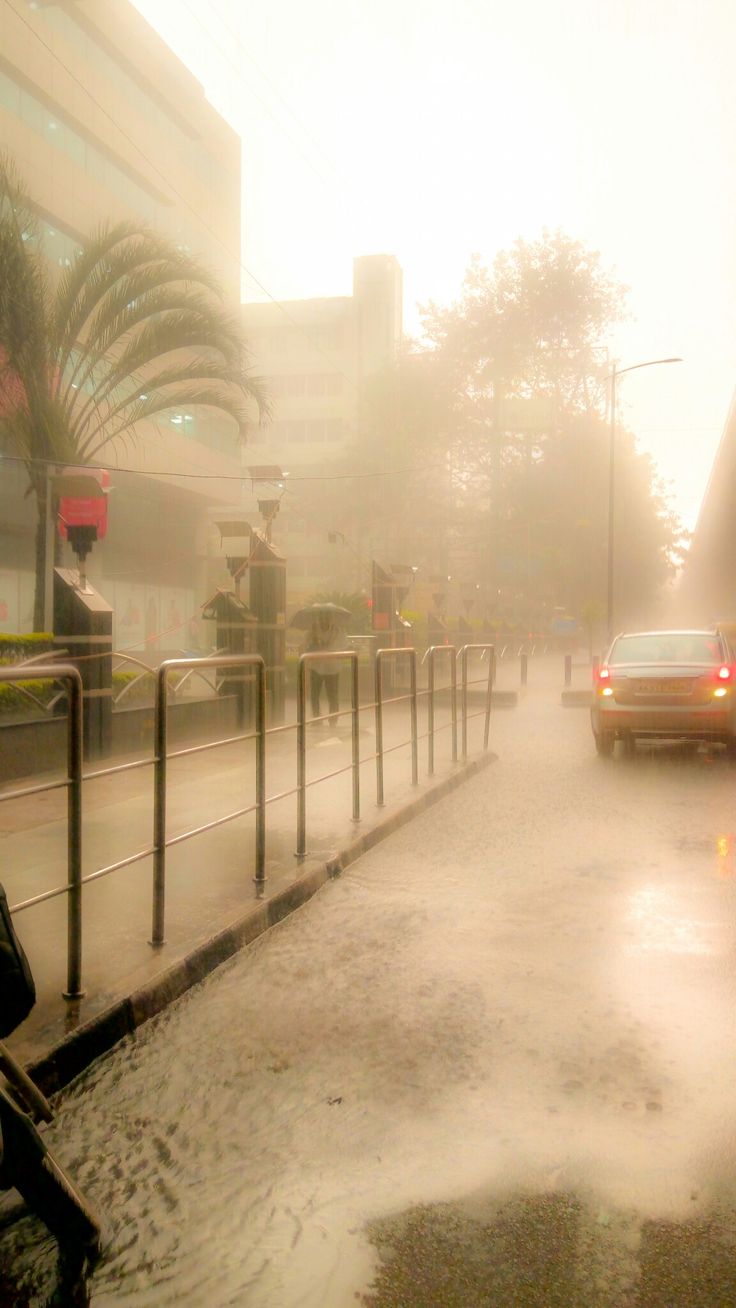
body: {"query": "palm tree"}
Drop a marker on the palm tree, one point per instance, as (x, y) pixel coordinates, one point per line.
(135, 327)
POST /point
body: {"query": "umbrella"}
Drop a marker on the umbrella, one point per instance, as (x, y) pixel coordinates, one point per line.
(304, 618)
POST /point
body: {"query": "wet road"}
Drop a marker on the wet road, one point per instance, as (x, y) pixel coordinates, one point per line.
(492, 1064)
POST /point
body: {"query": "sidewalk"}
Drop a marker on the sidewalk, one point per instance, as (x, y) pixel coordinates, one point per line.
(212, 905)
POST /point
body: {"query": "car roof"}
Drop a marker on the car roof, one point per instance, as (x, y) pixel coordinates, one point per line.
(672, 631)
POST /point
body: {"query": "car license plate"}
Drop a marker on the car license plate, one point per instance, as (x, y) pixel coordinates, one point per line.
(662, 687)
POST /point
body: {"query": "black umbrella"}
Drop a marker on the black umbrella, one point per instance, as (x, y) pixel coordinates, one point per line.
(304, 618)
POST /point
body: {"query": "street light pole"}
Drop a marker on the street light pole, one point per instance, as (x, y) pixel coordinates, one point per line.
(618, 372)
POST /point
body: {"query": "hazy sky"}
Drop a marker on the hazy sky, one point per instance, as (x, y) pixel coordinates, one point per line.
(433, 129)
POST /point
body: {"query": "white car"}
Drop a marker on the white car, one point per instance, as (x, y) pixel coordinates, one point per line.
(671, 684)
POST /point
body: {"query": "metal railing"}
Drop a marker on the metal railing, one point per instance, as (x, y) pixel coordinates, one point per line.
(73, 785)
(432, 653)
(160, 841)
(463, 656)
(381, 656)
(333, 656)
(253, 668)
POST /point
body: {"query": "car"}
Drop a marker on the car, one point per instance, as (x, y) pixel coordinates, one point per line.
(665, 685)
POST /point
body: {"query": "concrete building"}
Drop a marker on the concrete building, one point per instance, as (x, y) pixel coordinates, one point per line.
(707, 589)
(316, 357)
(104, 124)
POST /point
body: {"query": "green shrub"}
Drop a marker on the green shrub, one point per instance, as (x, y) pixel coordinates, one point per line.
(15, 648)
(12, 700)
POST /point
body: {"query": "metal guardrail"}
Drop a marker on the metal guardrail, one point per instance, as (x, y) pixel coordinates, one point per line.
(463, 656)
(432, 653)
(381, 656)
(73, 785)
(160, 842)
(253, 662)
(333, 656)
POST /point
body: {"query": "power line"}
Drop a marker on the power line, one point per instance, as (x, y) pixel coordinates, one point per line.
(245, 54)
(223, 476)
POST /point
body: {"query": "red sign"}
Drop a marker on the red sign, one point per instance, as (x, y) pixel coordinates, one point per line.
(83, 511)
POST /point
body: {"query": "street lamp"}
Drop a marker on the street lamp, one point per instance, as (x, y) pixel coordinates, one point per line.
(617, 372)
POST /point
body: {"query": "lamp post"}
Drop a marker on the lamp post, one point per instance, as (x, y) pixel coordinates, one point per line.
(618, 372)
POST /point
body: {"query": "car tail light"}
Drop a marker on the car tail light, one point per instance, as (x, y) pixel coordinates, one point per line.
(725, 673)
(603, 673)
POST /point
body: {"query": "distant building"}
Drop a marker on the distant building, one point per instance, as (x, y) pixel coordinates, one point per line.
(316, 357)
(708, 585)
(105, 124)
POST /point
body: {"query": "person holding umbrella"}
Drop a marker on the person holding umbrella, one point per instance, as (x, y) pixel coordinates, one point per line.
(324, 636)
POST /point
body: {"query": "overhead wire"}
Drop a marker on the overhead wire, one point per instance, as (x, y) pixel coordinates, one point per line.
(227, 476)
(246, 55)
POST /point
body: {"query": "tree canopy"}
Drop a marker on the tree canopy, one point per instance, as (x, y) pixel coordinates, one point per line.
(500, 412)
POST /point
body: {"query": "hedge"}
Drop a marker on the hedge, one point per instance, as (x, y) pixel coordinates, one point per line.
(12, 701)
(15, 648)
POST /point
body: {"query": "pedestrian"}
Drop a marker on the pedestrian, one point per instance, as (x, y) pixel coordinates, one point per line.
(324, 636)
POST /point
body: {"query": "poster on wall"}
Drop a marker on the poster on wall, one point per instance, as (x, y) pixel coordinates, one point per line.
(197, 641)
(26, 597)
(128, 610)
(173, 612)
(9, 585)
(152, 618)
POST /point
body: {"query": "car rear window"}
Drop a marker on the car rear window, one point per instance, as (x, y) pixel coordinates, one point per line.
(668, 647)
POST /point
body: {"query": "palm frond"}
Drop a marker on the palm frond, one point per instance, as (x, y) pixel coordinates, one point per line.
(110, 256)
(203, 396)
(168, 388)
(118, 319)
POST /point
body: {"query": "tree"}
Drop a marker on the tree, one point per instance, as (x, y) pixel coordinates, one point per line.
(522, 356)
(135, 327)
(531, 326)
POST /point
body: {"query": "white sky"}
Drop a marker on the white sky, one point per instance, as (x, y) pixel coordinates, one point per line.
(433, 129)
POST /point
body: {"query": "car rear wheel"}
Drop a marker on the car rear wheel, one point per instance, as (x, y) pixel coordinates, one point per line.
(604, 742)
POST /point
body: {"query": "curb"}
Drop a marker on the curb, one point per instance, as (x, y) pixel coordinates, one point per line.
(88, 1042)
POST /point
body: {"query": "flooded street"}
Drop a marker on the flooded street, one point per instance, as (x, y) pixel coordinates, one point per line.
(491, 1064)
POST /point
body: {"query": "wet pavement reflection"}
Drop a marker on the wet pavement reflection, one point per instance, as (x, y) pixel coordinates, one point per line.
(492, 1064)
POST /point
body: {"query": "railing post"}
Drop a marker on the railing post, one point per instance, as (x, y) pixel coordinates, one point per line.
(260, 875)
(414, 729)
(489, 692)
(430, 712)
(241, 661)
(301, 739)
(301, 758)
(75, 748)
(453, 694)
(378, 701)
(464, 698)
(159, 806)
(490, 650)
(74, 836)
(382, 654)
(568, 669)
(431, 653)
(355, 723)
